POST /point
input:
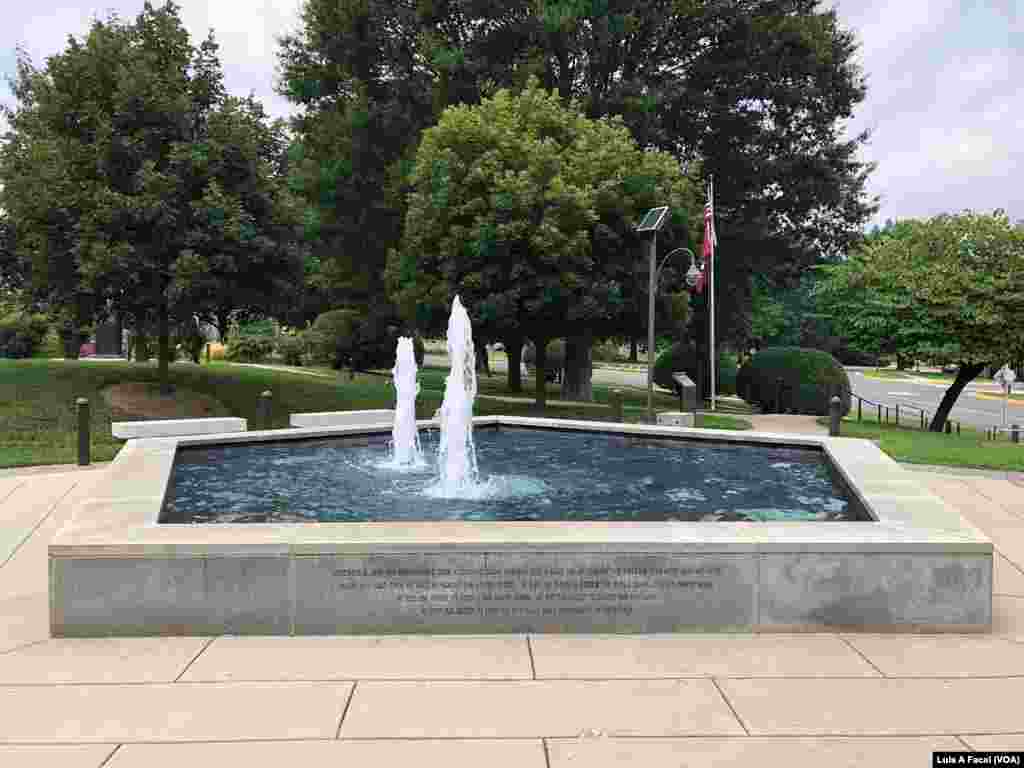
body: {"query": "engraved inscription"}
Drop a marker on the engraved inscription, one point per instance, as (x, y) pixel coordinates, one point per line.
(552, 591)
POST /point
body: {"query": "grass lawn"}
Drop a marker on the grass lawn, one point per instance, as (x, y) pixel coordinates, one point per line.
(38, 420)
(968, 449)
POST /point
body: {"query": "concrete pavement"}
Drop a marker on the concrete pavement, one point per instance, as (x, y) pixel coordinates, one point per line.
(522, 701)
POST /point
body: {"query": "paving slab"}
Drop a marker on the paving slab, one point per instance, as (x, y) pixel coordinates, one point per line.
(989, 743)
(486, 709)
(54, 755)
(22, 510)
(1002, 492)
(407, 657)
(879, 707)
(100, 660)
(942, 655)
(1008, 616)
(654, 656)
(975, 506)
(743, 752)
(24, 619)
(171, 712)
(1007, 578)
(518, 753)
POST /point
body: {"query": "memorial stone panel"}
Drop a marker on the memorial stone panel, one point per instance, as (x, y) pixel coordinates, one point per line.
(523, 591)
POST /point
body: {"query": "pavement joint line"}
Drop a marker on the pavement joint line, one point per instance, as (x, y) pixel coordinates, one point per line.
(529, 649)
(10, 492)
(206, 645)
(478, 680)
(732, 709)
(36, 527)
(1010, 561)
(967, 746)
(860, 653)
(348, 703)
(25, 645)
(547, 755)
(109, 757)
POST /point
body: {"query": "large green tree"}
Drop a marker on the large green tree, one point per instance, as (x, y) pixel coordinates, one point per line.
(129, 175)
(950, 287)
(757, 90)
(526, 208)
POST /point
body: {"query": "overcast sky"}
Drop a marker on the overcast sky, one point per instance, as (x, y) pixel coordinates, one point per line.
(944, 102)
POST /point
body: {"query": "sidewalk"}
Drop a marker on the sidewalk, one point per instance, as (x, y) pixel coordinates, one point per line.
(504, 701)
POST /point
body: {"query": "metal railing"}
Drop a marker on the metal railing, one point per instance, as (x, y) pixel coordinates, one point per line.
(895, 410)
(1013, 432)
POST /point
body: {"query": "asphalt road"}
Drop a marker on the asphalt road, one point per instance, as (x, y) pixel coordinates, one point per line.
(969, 408)
(609, 376)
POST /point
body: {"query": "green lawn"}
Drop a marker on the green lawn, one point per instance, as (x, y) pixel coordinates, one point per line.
(968, 449)
(38, 421)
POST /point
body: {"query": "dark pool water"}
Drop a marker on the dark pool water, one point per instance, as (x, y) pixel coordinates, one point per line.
(530, 475)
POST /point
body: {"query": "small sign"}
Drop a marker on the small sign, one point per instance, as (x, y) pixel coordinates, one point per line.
(682, 379)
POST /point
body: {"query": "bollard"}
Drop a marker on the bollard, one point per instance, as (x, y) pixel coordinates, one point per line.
(922, 421)
(778, 395)
(1015, 433)
(265, 407)
(860, 402)
(83, 431)
(615, 402)
(208, 345)
(835, 404)
(949, 427)
(879, 413)
(958, 427)
(897, 414)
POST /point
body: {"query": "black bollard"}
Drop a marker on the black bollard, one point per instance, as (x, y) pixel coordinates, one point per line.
(949, 427)
(1015, 433)
(208, 345)
(834, 406)
(778, 395)
(265, 408)
(83, 431)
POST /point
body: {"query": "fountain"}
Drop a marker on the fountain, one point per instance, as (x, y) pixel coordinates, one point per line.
(405, 436)
(456, 457)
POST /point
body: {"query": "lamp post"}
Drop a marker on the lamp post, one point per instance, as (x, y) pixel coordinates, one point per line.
(652, 221)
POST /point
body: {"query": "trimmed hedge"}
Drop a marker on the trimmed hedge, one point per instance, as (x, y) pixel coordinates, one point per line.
(809, 376)
(249, 349)
(351, 340)
(683, 357)
(21, 335)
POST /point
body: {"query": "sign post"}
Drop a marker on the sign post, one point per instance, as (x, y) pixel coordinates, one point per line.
(1005, 377)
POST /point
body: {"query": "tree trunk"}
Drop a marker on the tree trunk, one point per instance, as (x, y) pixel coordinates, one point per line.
(579, 368)
(965, 375)
(540, 374)
(164, 353)
(514, 353)
(633, 357)
(483, 361)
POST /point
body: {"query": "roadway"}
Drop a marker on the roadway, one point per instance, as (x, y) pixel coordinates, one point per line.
(921, 393)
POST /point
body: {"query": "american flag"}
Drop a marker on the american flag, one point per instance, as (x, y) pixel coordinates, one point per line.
(710, 240)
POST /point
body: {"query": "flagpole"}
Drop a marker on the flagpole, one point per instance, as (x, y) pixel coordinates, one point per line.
(711, 283)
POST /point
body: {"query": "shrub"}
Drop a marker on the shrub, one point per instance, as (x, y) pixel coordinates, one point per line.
(249, 349)
(606, 352)
(291, 348)
(21, 335)
(809, 378)
(348, 339)
(190, 339)
(555, 358)
(683, 357)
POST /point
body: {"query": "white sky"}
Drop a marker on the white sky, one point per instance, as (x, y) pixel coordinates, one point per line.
(944, 103)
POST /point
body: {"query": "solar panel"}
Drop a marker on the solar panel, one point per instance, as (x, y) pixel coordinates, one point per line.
(653, 220)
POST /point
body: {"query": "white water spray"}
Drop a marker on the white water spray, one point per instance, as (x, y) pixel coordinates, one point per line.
(456, 457)
(405, 437)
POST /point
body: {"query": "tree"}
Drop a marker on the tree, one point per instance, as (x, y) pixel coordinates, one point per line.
(949, 287)
(129, 175)
(757, 90)
(526, 209)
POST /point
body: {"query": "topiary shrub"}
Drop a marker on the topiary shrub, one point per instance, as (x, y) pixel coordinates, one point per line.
(554, 363)
(683, 357)
(809, 376)
(249, 349)
(21, 335)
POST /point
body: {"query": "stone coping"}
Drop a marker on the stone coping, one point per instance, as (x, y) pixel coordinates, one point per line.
(120, 520)
(217, 425)
(342, 418)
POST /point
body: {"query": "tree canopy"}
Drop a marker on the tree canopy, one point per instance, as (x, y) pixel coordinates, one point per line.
(756, 90)
(130, 175)
(950, 287)
(526, 208)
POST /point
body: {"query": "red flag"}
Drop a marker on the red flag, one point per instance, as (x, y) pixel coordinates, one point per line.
(710, 241)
